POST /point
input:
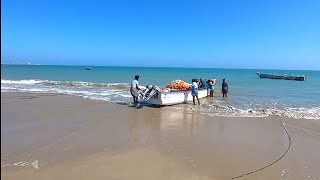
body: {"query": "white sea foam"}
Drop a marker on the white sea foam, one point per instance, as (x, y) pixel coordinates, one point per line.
(119, 92)
(31, 81)
(220, 109)
(35, 164)
(87, 84)
(230, 111)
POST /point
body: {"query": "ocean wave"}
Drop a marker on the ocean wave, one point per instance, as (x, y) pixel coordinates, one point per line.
(119, 92)
(230, 111)
(31, 81)
(113, 92)
(67, 83)
(87, 84)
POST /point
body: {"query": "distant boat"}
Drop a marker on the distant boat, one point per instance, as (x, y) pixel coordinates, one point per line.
(285, 77)
(88, 68)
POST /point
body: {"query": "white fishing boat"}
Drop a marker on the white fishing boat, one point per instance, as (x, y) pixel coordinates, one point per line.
(164, 98)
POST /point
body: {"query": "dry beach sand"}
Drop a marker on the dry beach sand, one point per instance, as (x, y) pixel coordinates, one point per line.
(55, 136)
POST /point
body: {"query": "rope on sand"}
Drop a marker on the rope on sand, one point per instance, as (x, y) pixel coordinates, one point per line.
(246, 174)
(289, 138)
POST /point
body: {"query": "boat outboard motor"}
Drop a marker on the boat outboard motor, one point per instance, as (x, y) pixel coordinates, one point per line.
(151, 91)
(147, 90)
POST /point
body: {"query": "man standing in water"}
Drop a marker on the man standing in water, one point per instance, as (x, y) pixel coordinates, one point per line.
(135, 90)
(224, 88)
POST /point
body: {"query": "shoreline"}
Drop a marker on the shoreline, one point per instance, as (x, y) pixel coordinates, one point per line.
(108, 140)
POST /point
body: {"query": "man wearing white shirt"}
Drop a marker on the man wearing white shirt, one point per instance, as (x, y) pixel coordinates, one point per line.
(135, 90)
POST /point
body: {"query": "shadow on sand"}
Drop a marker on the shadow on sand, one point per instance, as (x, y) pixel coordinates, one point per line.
(139, 105)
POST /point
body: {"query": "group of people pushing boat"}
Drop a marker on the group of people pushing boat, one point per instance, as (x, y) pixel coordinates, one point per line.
(202, 84)
(152, 90)
(206, 84)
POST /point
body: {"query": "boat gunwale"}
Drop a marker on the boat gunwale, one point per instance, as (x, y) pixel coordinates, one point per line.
(283, 77)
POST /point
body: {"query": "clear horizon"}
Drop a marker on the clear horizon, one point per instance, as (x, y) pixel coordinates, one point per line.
(208, 34)
(83, 65)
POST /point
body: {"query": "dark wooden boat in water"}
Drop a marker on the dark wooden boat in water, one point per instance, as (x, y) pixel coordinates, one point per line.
(285, 77)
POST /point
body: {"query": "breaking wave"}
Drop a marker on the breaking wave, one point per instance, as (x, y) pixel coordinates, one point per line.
(32, 81)
(87, 84)
(67, 83)
(119, 92)
(114, 92)
(231, 111)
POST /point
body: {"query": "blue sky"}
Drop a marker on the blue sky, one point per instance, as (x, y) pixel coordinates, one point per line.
(268, 34)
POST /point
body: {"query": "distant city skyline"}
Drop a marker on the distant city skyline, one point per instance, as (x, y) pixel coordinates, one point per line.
(214, 34)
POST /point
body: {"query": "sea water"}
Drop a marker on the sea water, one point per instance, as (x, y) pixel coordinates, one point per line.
(248, 94)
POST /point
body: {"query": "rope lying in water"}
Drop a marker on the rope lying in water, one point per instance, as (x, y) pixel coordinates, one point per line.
(289, 138)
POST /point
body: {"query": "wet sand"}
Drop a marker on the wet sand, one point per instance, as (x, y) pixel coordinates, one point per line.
(54, 136)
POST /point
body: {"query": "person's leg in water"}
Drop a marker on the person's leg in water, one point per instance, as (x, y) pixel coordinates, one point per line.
(134, 97)
(224, 93)
(194, 103)
(198, 99)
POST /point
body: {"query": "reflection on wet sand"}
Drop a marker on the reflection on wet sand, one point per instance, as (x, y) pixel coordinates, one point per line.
(110, 141)
(182, 119)
(209, 144)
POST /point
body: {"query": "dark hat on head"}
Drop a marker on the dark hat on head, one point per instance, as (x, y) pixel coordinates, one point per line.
(136, 77)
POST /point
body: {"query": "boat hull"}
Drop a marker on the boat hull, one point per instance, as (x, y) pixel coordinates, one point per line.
(177, 97)
(285, 77)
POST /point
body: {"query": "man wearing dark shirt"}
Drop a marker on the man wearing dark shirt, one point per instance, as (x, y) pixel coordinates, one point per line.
(224, 88)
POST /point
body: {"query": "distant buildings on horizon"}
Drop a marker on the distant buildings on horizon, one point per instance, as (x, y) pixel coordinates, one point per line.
(18, 63)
